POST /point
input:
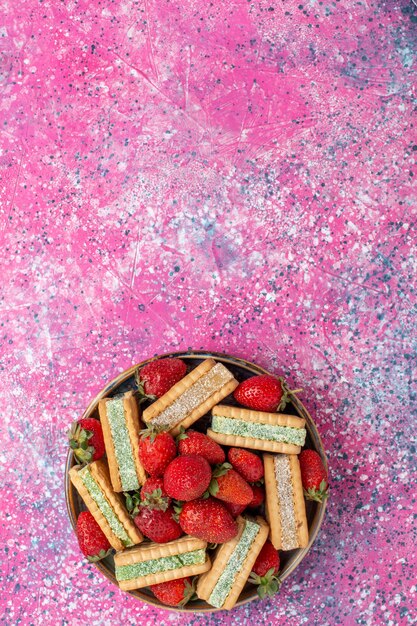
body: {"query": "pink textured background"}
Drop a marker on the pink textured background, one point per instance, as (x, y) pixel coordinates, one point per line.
(234, 176)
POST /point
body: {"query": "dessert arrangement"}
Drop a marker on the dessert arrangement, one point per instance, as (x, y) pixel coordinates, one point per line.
(190, 511)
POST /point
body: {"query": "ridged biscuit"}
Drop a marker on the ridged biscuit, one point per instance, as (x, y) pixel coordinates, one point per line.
(205, 407)
(299, 502)
(108, 443)
(261, 417)
(164, 577)
(132, 424)
(273, 505)
(258, 417)
(100, 474)
(271, 501)
(152, 412)
(94, 510)
(207, 582)
(236, 441)
(172, 394)
(151, 551)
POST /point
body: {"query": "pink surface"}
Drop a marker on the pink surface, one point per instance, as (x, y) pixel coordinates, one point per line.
(232, 176)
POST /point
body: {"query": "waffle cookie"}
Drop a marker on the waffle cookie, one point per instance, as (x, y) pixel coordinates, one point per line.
(233, 562)
(244, 428)
(285, 505)
(119, 418)
(155, 563)
(93, 484)
(192, 397)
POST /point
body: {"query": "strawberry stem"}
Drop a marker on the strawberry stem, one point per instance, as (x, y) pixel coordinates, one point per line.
(155, 500)
(181, 435)
(316, 495)
(268, 584)
(221, 470)
(140, 391)
(132, 502)
(212, 490)
(98, 557)
(189, 592)
(286, 393)
(151, 431)
(177, 504)
(78, 442)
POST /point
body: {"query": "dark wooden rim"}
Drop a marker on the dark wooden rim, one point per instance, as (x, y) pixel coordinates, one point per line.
(225, 358)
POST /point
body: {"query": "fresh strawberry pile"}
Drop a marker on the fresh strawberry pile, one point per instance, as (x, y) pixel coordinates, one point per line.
(191, 489)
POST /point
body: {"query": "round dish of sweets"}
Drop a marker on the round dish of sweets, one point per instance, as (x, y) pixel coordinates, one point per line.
(196, 481)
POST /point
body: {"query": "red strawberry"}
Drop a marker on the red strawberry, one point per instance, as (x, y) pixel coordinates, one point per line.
(267, 558)
(248, 464)
(234, 509)
(264, 393)
(229, 486)
(156, 451)
(193, 442)
(157, 377)
(153, 494)
(313, 476)
(265, 569)
(158, 525)
(174, 592)
(86, 440)
(187, 477)
(258, 496)
(93, 542)
(208, 520)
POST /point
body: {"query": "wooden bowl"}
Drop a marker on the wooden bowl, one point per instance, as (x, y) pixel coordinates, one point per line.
(242, 370)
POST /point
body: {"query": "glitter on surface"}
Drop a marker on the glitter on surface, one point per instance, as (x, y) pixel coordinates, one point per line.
(164, 564)
(229, 176)
(286, 502)
(200, 391)
(105, 507)
(122, 446)
(284, 434)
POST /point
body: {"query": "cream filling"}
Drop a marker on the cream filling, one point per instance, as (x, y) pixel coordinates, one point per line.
(256, 430)
(164, 564)
(122, 445)
(286, 502)
(103, 504)
(233, 566)
(195, 395)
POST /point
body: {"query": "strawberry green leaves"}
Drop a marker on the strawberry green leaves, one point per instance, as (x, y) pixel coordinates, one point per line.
(317, 495)
(140, 393)
(218, 471)
(133, 501)
(79, 443)
(98, 557)
(267, 585)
